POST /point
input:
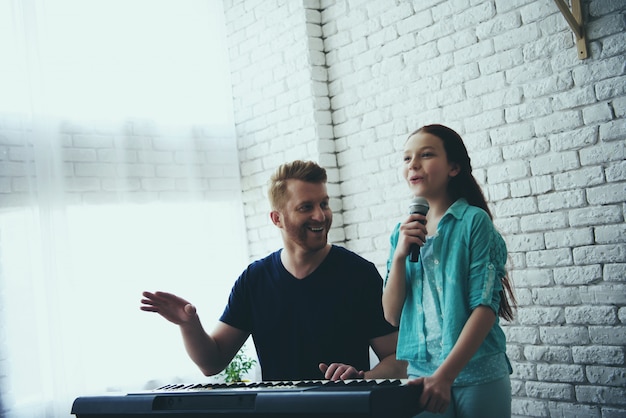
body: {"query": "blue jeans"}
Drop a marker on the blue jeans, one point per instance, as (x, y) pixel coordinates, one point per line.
(489, 400)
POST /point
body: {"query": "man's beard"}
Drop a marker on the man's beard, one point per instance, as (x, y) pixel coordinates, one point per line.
(305, 238)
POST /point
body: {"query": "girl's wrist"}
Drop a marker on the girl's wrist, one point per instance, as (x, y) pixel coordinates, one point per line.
(399, 257)
(446, 376)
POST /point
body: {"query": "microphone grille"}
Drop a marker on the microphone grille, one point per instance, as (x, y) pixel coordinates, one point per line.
(419, 205)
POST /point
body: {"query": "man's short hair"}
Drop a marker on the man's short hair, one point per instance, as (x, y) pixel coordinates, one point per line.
(308, 171)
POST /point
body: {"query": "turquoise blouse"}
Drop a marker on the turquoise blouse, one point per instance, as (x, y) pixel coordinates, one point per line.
(469, 257)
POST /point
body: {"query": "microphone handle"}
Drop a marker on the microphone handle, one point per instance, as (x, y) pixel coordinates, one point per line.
(414, 252)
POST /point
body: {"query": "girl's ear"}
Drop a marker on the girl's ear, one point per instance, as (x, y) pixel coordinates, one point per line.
(455, 169)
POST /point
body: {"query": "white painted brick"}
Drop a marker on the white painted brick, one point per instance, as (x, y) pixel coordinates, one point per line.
(525, 242)
(611, 193)
(619, 106)
(415, 22)
(500, 62)
(541, 184)
(82, 155)
(543, 222)
(510, 134)
(77, 184)
(578, 179)
(526, 111)
(604, 294)
(595, 215)
(436, 31)
(512, 207)
(608, 376)
(524, 296)
(555, 257)
(121, 185)
(547, 46)
(579, 275)
(598, 355)
(501, 190)
(572, 237)
(157, 157)
(396, 14)
(622, 315)
(503, 22)
(614, 272)
(600, 254)
(474, 15)
(577, 410)
(611, 67)
(524, 149)
(564, 335)
(474, 52)
(575, 139)
(552, 163)
(615, 172)
(506, 97)
(463, 109)
(549, 86)
(94, 170)
(588, 315)
(516, 37)
(540, 316)
(608, 335)
(532, 278)
(614, 130)
(596, 114)
(554, 391)
(603, 152)
(522, 334)
(487, 119)
(520, 188)
(558, 122)
(485, 84)
(92, 141)
(550, 354)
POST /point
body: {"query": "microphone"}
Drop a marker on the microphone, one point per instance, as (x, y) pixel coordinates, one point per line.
(417, 205)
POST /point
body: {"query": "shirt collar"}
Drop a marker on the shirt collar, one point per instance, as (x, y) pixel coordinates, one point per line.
(457, 209)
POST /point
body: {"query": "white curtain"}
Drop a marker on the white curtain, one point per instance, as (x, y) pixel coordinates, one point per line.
(118, 174)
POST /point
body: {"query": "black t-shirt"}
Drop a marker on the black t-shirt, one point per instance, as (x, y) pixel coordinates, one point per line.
(327, 317)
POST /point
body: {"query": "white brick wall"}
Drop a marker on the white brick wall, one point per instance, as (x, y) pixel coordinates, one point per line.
(281, 93)
(545, 130)
(140, 157)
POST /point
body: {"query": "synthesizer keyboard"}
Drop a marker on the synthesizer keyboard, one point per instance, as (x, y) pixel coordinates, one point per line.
(302, 399)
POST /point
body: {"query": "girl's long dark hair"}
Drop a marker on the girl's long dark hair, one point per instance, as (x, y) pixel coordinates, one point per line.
(464, 185)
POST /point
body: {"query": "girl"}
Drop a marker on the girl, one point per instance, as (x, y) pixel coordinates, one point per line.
(448, 302)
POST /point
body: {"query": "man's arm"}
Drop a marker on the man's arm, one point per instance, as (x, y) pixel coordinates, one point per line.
(211, 352)
(388, 367)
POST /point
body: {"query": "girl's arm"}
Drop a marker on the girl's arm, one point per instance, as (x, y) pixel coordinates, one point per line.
(472, 336)
(412, 231)
(436, 394)
(395, 290)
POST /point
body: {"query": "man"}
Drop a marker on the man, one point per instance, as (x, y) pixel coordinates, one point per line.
(313, 309)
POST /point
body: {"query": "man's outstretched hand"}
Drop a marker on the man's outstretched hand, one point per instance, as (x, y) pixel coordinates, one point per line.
(340, 371)
(171, 307)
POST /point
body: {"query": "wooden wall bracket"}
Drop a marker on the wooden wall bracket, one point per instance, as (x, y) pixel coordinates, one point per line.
(575, 20)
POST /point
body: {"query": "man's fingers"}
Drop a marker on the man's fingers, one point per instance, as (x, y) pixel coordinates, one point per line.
(338, 371)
